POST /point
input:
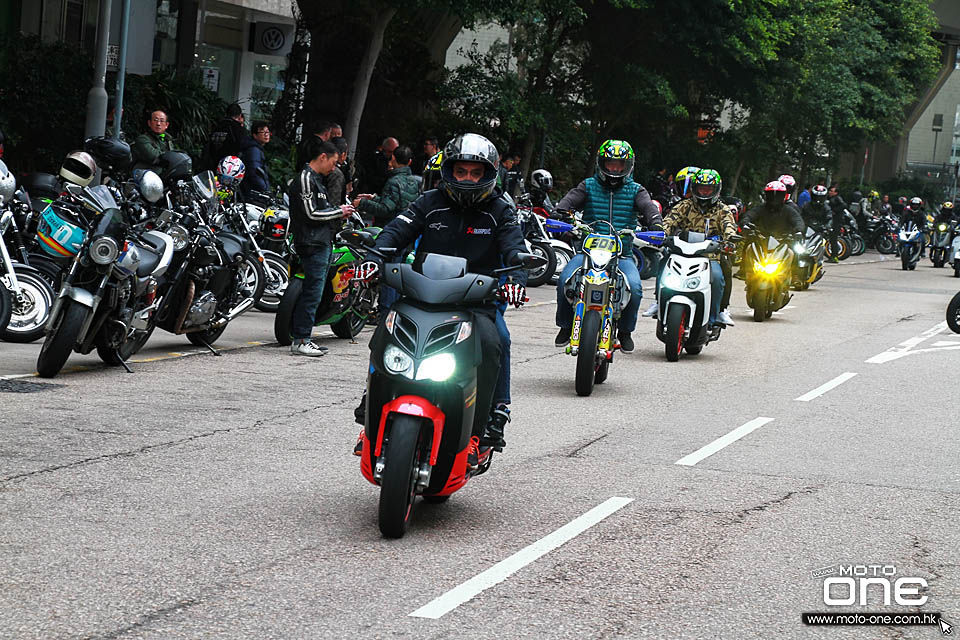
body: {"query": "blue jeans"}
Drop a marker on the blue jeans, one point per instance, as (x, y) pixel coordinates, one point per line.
(628, 317)
(388, 295)
(502, 391)
(315, 268)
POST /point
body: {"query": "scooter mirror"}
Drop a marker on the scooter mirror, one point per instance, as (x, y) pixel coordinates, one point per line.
(358, 237)
(529, 260)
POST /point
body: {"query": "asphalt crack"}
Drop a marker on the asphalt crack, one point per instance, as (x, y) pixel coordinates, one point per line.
(147, 619)
(168, 444)
(575, 453)
(742, 515)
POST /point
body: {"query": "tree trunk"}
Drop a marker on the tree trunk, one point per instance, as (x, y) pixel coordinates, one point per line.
(736, 177)
(362, 84)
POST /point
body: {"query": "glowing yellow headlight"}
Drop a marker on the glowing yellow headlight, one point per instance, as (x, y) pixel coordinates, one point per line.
(768, 268)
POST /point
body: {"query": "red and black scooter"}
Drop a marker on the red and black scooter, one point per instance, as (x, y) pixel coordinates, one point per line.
(422, 384)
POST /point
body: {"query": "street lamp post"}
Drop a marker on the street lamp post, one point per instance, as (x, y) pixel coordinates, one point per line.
(97, 97)
(121, 70)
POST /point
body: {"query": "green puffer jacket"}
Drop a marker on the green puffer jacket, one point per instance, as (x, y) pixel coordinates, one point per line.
(147, 148)
(398, 192)
(598, 204)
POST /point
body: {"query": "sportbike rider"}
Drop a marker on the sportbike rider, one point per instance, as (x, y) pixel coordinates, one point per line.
(915, 213)
(467, 217)
(695, 214)
(774, 217)
(816, 213)
(611, 195)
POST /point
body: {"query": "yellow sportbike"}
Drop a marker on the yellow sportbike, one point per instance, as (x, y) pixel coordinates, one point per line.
(598, 292)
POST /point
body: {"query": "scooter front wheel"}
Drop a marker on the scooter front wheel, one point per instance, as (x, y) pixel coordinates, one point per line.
(399, 482)
(953, 314)
(676, 331)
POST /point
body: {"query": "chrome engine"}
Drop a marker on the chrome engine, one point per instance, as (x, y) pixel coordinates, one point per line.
(202, 310)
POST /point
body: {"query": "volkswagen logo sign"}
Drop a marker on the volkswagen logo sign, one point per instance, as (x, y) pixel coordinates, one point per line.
(272, 39)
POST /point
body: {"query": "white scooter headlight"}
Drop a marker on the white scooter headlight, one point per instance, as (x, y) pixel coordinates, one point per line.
(438, 368)
(398, 361)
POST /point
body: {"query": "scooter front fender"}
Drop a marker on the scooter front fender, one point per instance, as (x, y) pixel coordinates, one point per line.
(419, 408)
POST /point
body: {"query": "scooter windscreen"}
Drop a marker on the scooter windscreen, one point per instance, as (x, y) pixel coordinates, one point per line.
(440, 279)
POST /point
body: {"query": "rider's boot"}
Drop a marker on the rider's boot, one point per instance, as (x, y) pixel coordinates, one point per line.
(563, 337)
(493, 434)
(626, 342)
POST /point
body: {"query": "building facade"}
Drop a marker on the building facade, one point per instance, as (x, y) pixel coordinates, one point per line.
(240, 45)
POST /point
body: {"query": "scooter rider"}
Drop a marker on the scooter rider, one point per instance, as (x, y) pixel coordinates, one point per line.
(816, 213)
(611, 187)
(466, 217)
(947, 213)
(693, 215)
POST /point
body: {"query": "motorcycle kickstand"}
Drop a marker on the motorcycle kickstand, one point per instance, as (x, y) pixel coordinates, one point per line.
(123, 363)
(212, 350)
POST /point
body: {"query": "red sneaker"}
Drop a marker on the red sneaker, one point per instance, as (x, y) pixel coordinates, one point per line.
(358, 448)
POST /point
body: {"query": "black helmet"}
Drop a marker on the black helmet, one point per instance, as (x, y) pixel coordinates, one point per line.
(42, 185)
(542, 180)
(818, 195)
(109, 152)
(469, 147)
(175, 165)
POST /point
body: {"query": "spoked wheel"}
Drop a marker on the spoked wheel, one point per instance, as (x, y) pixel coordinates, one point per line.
(587, 354)
(399, 483)
(563, 257)
(953, 314)
(276, 277)
(30, 310)
(542, 275)
(857, 245)
(252, 278)
(676, 330)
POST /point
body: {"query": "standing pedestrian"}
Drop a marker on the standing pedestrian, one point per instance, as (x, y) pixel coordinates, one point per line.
(377, 173)
(313, 223)
(837, 210)
(431, 147)
(255, 160)
(804, 196)
(228, 138)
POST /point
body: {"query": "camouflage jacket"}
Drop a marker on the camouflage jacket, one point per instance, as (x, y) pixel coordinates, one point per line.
(686, 216)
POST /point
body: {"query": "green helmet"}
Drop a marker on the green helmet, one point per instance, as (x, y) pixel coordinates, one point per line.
(614, 150)
(684, 180)
(707, 186)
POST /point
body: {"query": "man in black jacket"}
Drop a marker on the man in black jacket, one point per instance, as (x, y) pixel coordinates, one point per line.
(313, 223)
(228, 138)
(838, 211)
(466, 217)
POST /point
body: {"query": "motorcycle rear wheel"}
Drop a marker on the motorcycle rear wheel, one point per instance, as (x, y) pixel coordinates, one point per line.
(399, 482)
(676, 330)
(283, 320)
(59, 343)
(587, 354)
(542, 275)
(953, 313)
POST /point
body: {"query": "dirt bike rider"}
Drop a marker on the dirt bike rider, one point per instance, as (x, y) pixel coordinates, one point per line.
(774, 217)
(692, 215)
(467, 217)
(612, 186)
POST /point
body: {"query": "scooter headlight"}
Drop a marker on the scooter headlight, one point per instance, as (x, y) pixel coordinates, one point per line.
(104, 250)
(398, 361)
(692, 283)
(438, 368)
(942, 227)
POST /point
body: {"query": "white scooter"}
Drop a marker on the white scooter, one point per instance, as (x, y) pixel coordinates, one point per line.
(684, 295)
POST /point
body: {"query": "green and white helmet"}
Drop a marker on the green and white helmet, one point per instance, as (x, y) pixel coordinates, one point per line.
(616, 150)
(707, 186)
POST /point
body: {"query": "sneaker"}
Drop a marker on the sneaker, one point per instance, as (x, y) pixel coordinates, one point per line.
(307, 348)
(834, 259)
(360, 413)
(724, 318)
(358, 448)
(563, 337)
(652, 311)
(626, 342)
(493, 433)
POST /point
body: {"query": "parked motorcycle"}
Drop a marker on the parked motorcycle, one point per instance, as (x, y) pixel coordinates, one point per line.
(955, 250)
(538, 242)
(207, 286)
(909, 246)
(940, 243)
(347, 302)
(598, 292)
(422, 383)
(108, 294)
(768, 279)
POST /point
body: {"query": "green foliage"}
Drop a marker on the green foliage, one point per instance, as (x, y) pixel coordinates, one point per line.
(43, 91)
(192, 108)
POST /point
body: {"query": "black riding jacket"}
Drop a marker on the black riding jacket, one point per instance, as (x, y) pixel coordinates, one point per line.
(782, 221)
(488, 235)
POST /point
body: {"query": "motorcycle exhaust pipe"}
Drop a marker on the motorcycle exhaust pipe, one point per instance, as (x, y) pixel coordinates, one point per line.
(245, 304)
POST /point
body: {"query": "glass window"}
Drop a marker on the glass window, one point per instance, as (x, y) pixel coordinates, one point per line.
(165, 42)
(267, 87)
(223, 65)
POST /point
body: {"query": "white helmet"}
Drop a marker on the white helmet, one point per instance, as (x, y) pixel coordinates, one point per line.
(8, 184)
(79, 168)
(149, 183)
(231, 171)
(542, 180)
